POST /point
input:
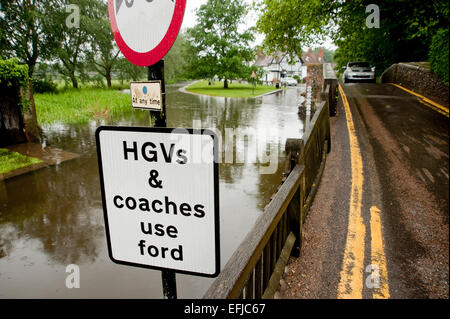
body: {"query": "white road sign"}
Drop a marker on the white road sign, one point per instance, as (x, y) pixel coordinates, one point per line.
(160, 198)
(146, 95)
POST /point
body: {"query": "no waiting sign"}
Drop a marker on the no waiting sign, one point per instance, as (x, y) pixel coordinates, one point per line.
(145, 30)
(160, 200)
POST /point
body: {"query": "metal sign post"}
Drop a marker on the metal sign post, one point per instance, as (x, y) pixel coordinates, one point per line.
(156, 73)
(169, 283)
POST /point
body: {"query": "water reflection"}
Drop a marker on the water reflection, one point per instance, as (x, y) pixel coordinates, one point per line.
(53, 217)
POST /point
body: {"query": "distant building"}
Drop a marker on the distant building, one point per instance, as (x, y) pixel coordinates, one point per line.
(278, 66)
(311, 57)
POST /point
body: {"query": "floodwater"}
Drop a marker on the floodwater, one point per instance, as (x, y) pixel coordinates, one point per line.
(53, 217)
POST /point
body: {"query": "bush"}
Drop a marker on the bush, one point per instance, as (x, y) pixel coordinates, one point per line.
(42, 86)
(12, 73)
(439, 55)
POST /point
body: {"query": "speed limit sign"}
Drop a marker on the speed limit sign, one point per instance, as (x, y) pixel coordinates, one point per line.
(145, 30)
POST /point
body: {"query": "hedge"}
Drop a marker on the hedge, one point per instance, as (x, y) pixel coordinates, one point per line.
(43, 86)
(439, 55)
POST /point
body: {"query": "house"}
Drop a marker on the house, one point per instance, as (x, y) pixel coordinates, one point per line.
(311, 57)
(278, 66)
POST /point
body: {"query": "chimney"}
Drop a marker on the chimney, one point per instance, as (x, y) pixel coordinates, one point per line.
(321, 52)
(259, 54)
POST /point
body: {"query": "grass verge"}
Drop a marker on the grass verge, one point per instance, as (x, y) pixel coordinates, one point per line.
(235, 90)
(10, 161)
(78, 106)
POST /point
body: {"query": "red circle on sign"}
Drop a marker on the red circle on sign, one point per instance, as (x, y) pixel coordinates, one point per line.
(153, 56)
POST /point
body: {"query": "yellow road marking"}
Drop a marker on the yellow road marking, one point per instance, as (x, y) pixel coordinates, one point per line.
(435, 106)
(351, 281)
(378, 256)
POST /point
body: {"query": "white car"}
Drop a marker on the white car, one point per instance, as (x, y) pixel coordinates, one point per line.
(359, 71)
(289, 81)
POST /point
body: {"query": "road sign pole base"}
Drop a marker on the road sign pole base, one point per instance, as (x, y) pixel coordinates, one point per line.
(169, 284)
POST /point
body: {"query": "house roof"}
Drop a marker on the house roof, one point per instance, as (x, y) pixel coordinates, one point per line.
(266, 60)
(263, 60)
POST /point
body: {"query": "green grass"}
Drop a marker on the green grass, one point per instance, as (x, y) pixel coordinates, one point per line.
(235, 90)
(61, 84)
(78, 106)
(10, 161)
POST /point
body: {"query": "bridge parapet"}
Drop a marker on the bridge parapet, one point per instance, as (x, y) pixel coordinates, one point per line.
(256, 267)
(330, 79)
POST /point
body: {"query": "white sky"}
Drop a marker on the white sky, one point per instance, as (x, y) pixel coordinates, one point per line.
(189, 15)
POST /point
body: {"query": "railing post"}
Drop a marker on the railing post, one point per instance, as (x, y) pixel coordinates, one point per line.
(294, 156)
(293, 149)
(295, 215)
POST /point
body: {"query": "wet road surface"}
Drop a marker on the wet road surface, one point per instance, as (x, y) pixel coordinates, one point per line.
(381, 211)
(53, 217)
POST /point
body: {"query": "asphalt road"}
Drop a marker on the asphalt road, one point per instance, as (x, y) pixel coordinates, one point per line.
(378, 227)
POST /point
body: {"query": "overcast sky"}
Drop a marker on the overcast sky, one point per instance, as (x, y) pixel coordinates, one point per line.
(189, 15)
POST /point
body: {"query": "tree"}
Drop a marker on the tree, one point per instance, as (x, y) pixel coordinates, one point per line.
(328, 55)
(129, 71)
(217, 44)
(404, 34)
(104, 54)
(12, 76)
(439, 55)
(290, 25)
(82, 19)
(176, 61)
(28, 33)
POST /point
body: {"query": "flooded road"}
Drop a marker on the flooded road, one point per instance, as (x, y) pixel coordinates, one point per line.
(53, 217)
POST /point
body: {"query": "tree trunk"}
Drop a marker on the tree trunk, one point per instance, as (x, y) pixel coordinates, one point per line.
(11, 121)
(74, 81)
(29, 115)
(108, 78)
(225, 84)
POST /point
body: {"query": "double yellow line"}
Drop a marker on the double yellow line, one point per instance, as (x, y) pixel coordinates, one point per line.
(425, 101)
(352, 273)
